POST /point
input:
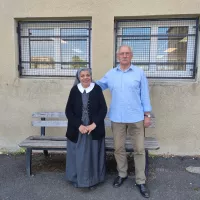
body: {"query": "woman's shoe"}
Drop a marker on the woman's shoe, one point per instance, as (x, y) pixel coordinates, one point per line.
(75, 185)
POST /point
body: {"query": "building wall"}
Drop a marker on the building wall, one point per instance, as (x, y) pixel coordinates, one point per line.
(175, 103)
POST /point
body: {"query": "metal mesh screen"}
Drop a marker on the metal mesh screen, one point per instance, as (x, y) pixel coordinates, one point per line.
(162, 48)
(53, 49)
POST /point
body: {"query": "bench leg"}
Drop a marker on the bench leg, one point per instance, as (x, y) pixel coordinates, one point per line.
(28, 161)
(147, 163)
(46, 153)
(43, 134)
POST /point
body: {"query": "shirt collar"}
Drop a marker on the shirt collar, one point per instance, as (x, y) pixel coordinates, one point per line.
(87, 90)
(130, 68)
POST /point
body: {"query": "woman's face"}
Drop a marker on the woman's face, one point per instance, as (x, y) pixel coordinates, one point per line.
(85, 79)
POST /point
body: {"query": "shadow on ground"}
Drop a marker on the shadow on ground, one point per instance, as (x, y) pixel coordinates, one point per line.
(57, 162)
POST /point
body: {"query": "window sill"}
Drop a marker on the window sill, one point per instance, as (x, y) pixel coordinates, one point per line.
(170, 82)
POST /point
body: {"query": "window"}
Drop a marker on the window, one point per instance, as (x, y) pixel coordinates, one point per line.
(162, 48)
(53, 49)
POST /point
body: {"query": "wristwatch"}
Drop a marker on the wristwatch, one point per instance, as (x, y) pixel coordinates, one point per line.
(147, 115)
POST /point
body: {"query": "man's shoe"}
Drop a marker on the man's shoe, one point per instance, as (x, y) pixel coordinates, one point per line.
(143, 190)
(92, 187)
(118, 181)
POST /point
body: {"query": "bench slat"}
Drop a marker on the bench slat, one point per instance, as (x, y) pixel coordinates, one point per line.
(53, 138)
(49, 123)
(44, 145)
(51, 142)
(56, 115)
(48, 115)
(62, 123)
(59, 123)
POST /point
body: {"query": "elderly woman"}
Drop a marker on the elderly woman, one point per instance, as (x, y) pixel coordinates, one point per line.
(86, 110)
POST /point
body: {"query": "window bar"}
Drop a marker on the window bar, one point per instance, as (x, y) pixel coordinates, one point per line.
(89, 48)
(116, 47)
(19, 45)
(195, 50)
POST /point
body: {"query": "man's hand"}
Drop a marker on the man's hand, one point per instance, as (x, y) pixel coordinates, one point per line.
(83, 129)
(147, 121)
(91, 127)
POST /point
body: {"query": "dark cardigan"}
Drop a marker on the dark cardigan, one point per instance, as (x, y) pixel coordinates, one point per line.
(97, 112)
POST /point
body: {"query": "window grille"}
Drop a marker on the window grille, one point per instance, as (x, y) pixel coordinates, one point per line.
(53, 49)
(162, 48)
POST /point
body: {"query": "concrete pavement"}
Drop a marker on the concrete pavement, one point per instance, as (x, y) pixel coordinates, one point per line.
(168, 180)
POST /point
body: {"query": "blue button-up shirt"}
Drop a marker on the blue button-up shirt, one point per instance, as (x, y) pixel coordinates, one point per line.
(130, 94)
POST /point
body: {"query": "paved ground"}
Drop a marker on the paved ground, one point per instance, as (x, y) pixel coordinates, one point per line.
(168, 180)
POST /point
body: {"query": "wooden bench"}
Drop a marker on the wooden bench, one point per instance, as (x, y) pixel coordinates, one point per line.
(58, 119)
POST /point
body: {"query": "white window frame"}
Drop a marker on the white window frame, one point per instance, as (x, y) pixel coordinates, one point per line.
(56, 26)
(154, 25)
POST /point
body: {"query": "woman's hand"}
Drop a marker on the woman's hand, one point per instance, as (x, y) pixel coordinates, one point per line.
(91, 127)
(83, 129)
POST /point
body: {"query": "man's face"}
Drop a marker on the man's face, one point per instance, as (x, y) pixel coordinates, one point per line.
(124, 56)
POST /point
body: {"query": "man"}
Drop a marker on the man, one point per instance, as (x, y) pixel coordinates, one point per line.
(129, 114)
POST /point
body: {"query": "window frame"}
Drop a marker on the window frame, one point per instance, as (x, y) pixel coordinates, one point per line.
(24, 67)
(155, 24)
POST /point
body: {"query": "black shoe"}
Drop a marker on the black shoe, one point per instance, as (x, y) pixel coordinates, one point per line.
(74, 184)
(118, 181)
(143, 190)
(92, 187)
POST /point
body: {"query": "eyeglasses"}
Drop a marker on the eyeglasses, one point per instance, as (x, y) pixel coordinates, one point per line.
(125, 53)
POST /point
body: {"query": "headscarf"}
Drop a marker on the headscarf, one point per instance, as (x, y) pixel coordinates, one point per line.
(77, 77)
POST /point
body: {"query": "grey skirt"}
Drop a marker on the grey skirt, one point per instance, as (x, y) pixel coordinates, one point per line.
(85, 161)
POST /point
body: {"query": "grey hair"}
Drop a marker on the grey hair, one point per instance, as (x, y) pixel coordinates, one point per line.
(77, 78)
(124, 46)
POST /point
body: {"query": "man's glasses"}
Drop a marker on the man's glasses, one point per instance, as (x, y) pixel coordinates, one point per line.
(125, 53)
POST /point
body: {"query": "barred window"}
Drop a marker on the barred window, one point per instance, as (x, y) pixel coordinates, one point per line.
(162, 48)
(53, 49)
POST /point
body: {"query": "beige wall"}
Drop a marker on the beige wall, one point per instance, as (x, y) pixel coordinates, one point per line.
(175, 103)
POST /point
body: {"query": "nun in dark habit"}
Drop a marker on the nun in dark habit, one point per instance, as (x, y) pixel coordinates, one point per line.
(85, 110)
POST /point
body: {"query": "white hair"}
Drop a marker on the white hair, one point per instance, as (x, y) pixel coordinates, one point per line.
(124, 46)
